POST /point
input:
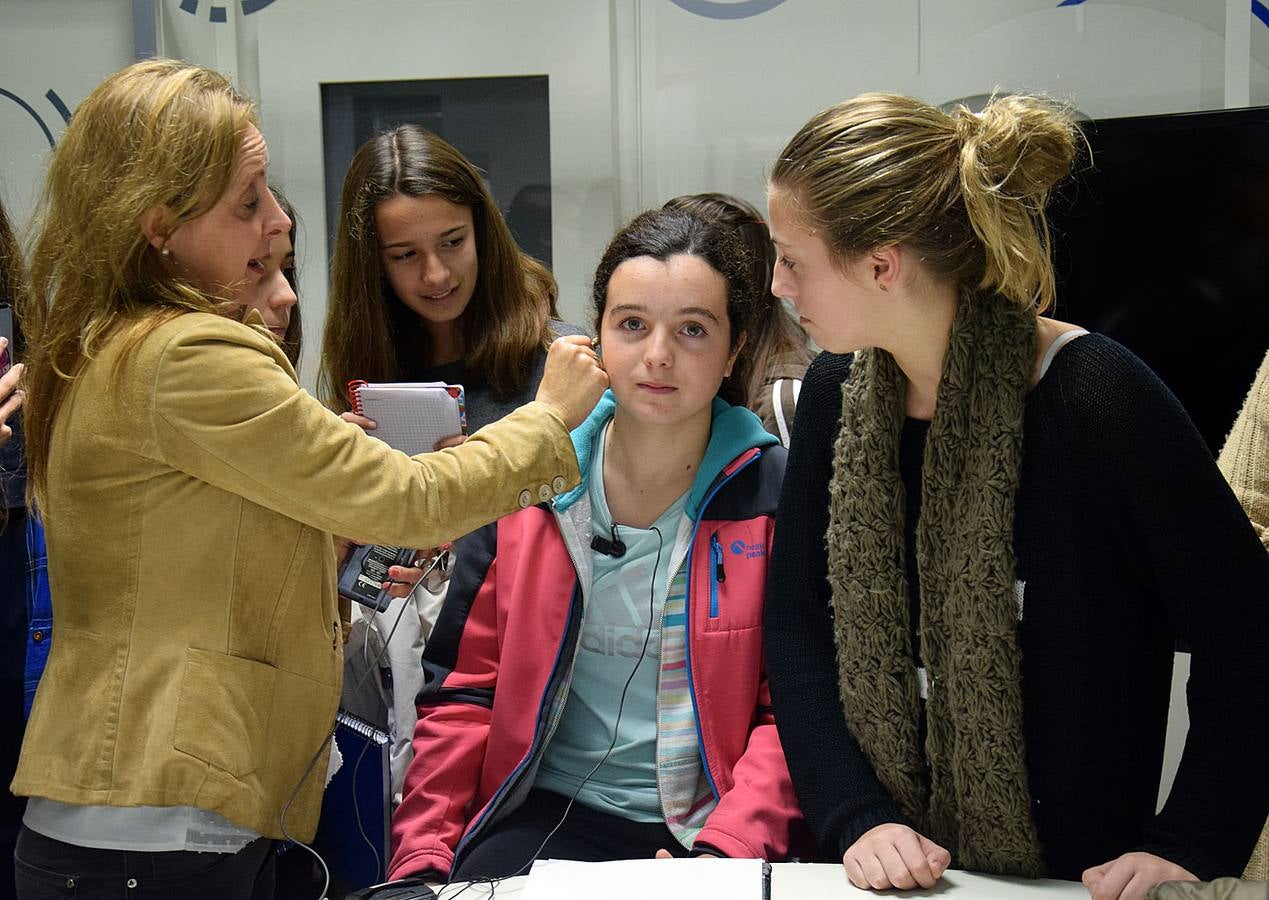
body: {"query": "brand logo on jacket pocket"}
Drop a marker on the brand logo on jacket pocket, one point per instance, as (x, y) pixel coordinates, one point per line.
(748, 551)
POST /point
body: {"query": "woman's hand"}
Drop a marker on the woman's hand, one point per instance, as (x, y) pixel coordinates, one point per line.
(893, 855)
(10, 397)
(573, 380)
(1130, 876)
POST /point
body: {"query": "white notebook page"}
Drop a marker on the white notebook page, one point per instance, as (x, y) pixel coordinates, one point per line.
(639, 879)
(412, 417)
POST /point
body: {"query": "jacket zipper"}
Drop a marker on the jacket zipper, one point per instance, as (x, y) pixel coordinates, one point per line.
(579, 591)
(687, 621)
(717, 575)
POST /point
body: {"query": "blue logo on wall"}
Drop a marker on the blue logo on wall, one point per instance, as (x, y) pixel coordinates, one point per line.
(721, 9)
(52, 98)
(1258, 9)
(748, 551)
(219, 13)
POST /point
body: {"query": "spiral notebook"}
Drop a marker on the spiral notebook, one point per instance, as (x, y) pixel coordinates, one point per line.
(411, 416)
(353, 833)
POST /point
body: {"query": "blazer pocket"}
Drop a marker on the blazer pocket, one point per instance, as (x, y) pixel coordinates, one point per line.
(223, 711)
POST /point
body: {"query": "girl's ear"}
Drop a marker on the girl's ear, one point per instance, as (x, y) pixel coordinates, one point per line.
(884, 266)
(735, 352)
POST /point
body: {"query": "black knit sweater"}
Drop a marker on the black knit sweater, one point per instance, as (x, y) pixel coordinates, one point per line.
(1126, 537)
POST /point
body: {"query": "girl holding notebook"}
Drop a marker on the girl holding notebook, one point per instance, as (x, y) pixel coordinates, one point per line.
(428, 284)
(595, 685)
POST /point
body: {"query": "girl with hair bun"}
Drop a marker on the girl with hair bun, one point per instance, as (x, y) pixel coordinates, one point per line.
(993, 528)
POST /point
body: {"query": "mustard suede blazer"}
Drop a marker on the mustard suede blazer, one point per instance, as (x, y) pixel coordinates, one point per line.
(192, 492)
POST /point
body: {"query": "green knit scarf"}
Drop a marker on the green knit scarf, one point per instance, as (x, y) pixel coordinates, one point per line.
(967, 788)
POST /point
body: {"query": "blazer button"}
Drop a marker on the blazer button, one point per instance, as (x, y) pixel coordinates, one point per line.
(544, 493)
(558, 484)
(525, 499)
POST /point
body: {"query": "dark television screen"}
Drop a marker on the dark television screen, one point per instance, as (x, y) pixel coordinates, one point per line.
(1163, 244)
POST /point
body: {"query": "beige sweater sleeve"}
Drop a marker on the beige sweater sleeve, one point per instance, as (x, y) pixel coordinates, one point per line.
(1244, 460)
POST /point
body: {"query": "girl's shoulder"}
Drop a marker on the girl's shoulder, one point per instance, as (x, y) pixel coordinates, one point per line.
(1097, 393)
(1092, 367)
(822, 383)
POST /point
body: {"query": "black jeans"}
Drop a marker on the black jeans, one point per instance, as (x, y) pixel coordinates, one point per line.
(51, 870)
(589, 835)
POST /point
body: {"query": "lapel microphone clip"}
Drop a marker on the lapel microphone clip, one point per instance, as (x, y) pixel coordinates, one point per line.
(614, 548)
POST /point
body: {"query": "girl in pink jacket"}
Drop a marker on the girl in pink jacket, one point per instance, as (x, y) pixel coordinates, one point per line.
(595, 687)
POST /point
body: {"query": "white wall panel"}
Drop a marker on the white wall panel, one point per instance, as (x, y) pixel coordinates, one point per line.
(61, 46)
(719, 98)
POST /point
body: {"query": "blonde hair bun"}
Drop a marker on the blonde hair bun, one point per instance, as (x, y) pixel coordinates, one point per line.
(1011, 156)
(1019, 145)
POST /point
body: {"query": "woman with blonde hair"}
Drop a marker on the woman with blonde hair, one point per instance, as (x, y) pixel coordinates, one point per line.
(189, 490)
(993, 527)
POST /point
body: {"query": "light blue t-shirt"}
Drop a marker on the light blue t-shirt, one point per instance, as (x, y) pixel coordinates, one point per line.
(626, 600)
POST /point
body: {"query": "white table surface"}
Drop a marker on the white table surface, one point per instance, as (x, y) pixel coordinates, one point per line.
(822, 881)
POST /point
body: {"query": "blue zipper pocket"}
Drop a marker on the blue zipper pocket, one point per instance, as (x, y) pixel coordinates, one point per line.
(717, 575)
